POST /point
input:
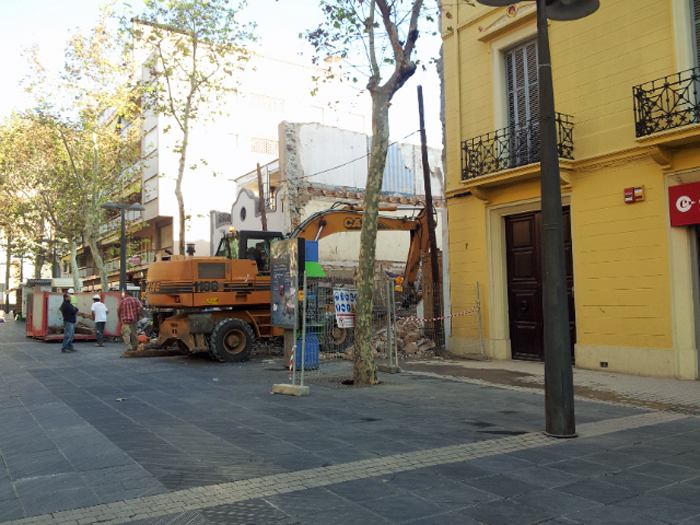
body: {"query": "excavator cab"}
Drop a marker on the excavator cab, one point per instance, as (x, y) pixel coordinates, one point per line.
(248, 244)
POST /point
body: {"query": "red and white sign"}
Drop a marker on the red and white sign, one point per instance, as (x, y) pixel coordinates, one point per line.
(135, 259)
(684, 204)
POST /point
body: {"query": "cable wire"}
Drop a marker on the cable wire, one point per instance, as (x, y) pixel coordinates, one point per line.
(354, 160)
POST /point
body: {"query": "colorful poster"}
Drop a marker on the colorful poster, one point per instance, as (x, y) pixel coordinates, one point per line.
(284, 279)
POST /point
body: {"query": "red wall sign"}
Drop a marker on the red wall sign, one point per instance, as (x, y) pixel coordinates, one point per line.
(684, 204)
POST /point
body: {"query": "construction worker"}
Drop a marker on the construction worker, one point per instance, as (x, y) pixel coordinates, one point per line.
(129, 312)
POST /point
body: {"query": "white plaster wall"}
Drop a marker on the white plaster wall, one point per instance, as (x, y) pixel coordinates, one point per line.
(332, 156)
(221, 149)
(247, 200)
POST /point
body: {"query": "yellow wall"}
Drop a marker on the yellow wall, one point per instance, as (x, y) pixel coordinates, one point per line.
(621, 263)
(622, 276)
(595, 63)
(467, 253)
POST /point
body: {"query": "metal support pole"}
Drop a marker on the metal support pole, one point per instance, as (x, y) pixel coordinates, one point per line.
(389, 344)
(122, 256)
(294, 332)
(55, 269)
(481, 337)
(395, 348)
(303, 334)
(559, 388)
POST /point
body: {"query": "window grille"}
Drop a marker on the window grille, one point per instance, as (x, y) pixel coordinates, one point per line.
(266, 146)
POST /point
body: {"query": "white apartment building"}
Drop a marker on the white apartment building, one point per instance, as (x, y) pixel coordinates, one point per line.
(241, 133)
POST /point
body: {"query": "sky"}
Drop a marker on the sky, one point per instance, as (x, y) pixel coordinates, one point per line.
(49, 23)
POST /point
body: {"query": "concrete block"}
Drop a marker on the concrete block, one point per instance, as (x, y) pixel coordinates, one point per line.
(389, 369)
(290, 390)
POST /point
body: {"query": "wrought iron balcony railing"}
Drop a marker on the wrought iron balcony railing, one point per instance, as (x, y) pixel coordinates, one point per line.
(512, 147)
(667, 103)
(86, 271)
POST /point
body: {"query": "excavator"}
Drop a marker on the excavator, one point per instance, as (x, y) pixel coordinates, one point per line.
(218, 305)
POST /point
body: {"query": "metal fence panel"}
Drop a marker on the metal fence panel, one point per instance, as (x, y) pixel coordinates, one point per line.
(406, 324)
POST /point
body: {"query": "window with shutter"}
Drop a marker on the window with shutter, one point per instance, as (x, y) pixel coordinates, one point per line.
(523, 104)
(696, 31)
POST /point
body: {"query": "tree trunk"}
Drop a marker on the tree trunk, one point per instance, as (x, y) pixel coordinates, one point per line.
(39, 262)
(77, 282)
(365, 372)
(99, 262)
(178, 190)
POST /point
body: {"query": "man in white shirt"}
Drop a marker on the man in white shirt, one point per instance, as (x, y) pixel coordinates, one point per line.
(99, 314)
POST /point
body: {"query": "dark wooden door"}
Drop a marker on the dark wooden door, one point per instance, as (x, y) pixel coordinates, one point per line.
(524, 262)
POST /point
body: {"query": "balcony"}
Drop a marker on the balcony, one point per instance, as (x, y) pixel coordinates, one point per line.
(113, 226)
(667, 103)
(513, 147)
(132, 261)
(87, 271)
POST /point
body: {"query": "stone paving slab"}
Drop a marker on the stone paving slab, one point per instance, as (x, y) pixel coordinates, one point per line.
(590, 384)
(181, 440)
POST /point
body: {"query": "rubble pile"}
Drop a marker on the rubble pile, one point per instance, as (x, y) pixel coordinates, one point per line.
(271, 346)
(412, 341)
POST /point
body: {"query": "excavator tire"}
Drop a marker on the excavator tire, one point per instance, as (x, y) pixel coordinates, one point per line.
(337, 339)
(231, 341)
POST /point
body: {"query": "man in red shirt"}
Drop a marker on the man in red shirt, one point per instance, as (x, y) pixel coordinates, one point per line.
(129, 312)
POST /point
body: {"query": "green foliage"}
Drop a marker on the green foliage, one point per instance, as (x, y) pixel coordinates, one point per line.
(190, 51)
(370, 36)
(83, 138)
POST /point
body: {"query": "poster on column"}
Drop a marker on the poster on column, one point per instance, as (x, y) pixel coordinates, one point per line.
(286, 259)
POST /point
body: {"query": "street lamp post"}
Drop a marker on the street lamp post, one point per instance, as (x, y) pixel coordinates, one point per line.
(558, 375)
(54, 263)
(122, 248)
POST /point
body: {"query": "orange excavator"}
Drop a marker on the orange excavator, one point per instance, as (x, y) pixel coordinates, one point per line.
(220, 304)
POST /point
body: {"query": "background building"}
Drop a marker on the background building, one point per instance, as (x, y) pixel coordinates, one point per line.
(320, 165)
(243, 134)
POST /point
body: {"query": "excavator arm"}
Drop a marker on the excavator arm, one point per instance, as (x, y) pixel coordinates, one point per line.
(346, 217)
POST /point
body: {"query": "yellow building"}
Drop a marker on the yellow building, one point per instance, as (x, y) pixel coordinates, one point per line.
(627, 93)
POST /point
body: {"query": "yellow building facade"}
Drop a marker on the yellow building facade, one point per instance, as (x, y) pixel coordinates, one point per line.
(627, 93)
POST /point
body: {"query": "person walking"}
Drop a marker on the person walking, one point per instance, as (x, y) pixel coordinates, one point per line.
(70, 317)
(129, 312)
(99, 315)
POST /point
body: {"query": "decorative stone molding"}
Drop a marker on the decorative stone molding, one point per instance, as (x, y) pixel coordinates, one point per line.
(480, 194)
(662, 156)
(515, 15)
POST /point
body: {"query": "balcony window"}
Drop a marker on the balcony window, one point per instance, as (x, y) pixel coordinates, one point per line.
(512, 147)
(667, 103)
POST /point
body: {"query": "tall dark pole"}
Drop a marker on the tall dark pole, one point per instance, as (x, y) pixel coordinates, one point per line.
(262, 201)
(558, 375)
(434, 266)
(122, 255)
(54, 263)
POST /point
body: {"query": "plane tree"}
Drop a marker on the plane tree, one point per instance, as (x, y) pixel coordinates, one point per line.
(377, 39)
(89, 122)
(190, 51)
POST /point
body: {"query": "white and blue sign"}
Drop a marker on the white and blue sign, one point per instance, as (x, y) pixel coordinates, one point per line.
(345, 305)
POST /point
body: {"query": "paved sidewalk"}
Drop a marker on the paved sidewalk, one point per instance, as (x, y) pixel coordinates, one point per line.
(647, 392)
(91, 438)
